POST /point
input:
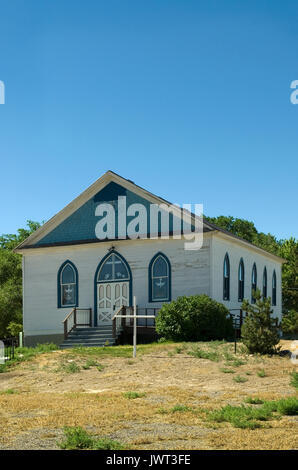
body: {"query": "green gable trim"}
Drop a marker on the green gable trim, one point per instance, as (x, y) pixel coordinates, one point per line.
(80, 226)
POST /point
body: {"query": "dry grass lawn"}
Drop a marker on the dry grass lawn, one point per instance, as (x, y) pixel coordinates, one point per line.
(40, 396)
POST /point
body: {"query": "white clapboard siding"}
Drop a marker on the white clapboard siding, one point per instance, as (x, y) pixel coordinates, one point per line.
(190, 275)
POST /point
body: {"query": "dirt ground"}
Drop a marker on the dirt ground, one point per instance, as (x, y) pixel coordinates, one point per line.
(39, 397)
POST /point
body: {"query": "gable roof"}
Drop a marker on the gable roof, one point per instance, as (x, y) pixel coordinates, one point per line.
(111, 177)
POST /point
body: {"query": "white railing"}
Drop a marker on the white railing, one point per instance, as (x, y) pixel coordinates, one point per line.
(77, 317)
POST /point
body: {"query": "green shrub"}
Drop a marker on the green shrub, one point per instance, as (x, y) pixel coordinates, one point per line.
(194, 318)
(201, 354)
(71, 368)
(288, 406)
(289, 323)
(9, 391)
(260, 332)
(133, 395)
(180, 409)
(241, 416)
(78, 438)
(261, 373)
(89, 363)
(238, 379)
(254, 401)
(227, 371)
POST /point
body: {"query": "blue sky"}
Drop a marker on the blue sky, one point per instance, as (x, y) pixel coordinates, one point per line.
(189, 99)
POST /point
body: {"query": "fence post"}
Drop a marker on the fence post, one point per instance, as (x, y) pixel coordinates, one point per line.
(134, 327)
(65, 329)
(21, 339)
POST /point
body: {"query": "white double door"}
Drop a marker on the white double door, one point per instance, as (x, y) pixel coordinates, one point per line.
(110, 297)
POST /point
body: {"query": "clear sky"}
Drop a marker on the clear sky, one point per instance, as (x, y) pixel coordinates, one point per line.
(189, 99)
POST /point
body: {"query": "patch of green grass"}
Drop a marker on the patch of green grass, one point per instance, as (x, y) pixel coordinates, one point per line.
(240, 416)
(288, 406)
(239, 379)
(228, 356)
(227, 371)
(117, 351)
(3, 368)
(238, 362)
(248, 417)
(25, 354)
(180, 409)
(133, 395)
(294, 379)
(70, 368)
(261, 373)
(254, 401)
(9, 391)
(77, 438)
(90, 363)
(100, 367)
(203, 354)
(162, 411)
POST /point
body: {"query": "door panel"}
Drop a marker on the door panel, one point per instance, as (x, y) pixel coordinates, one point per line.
(110, 297)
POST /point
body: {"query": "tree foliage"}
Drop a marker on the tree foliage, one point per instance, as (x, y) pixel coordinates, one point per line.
(11, 281)
(260, 331)
(290, 323)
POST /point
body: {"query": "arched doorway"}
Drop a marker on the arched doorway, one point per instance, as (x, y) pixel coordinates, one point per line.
(112, 287)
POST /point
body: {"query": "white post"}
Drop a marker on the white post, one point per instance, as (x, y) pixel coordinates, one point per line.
(21, 339)
(134, 327)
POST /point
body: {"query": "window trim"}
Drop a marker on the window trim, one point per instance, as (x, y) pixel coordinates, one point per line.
(151, 277)
(226, 288)
(59, 285)
(241, 284)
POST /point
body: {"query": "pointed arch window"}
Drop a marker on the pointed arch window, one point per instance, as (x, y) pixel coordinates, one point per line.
(159, 279)
(241, 281)
(226, 278)
(113, 269)
(274, 288)
(265, 283)
(253, 283)
(67, 285)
